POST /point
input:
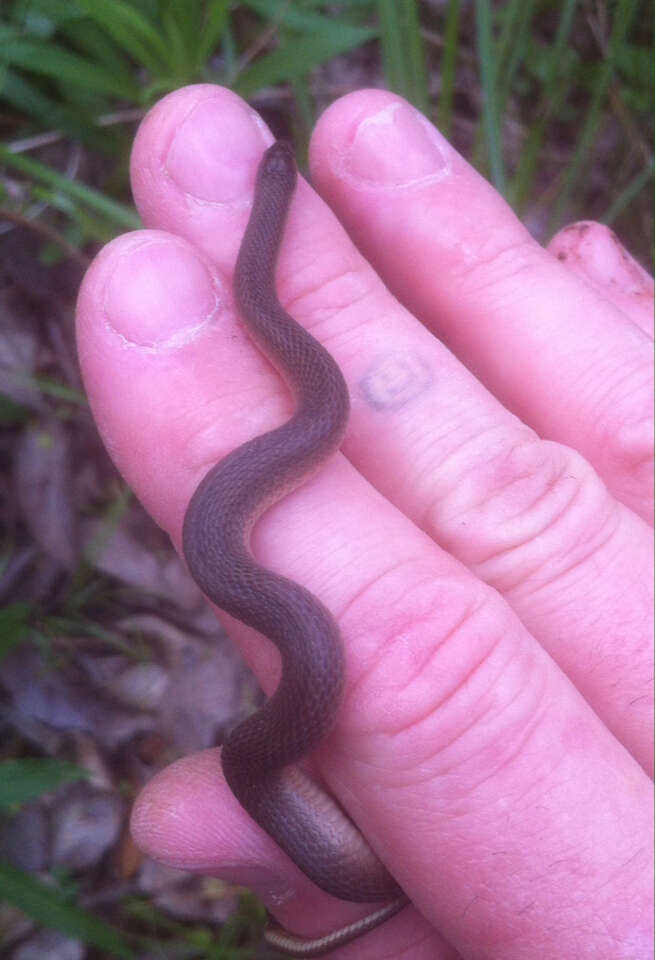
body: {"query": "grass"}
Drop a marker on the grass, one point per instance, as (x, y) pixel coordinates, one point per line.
(551, 99)
(549, 74)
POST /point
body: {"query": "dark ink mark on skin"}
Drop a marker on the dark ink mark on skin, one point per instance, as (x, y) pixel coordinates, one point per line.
(394, 380)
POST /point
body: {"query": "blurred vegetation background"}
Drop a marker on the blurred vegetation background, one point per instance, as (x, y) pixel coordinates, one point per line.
(550, 99)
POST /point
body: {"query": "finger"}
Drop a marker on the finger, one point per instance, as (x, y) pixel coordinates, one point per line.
(187, 818)
(450, 703)
(594, 252)
(161, 373)
(529, 518)
(454, 253)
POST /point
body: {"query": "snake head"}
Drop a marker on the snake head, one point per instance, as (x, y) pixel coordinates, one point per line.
(279, 163)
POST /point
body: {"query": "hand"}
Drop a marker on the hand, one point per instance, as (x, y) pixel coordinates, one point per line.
(483, 540)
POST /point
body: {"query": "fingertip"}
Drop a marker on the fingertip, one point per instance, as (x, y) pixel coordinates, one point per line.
(152, 290)
(593, 252)
(187, 817)
(375, 140)
(149, 306)
(197, 147)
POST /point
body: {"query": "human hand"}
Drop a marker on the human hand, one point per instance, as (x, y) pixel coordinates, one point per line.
(491, 590)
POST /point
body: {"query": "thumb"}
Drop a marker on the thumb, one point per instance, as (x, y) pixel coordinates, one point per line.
(188, 818)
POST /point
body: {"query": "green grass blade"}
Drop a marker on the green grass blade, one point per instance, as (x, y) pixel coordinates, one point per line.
(187, 16)
(448, 66)
(229, 51)
(52, 61)
(132, 31)
(49, 907)
(628, 194)
(295, 58)
(418, 67)
(624, 14)
(24, 779)
(512, 45)
(119, 214)
(182, 21)
(179, 58)
(42, 17)
(13, 625)
(50, 388)
(215, 24)
(91, 40)
(491, 115)
(554, 92)
(307, 118)
(85, 225)
(303, 21)
(392, 51)
(23, 95)
(403, 54)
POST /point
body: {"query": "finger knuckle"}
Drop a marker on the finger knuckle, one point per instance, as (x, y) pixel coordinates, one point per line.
(444, 673)
(521, 511)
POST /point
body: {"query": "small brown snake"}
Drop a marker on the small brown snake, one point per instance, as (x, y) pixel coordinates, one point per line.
(258, 757)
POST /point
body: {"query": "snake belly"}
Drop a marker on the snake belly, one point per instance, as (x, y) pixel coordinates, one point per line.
(258, 757)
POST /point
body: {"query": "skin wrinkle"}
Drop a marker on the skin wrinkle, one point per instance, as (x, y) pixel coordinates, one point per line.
(508, 262)
(612, 388)
(524, 734)
(348, 609)
(549, 532)
(453, 638)
(433, 518)
(305, 278)
(548, 528)
(421, 719)
(553, 468)
(343, 326)
(452, 426)
(323, 272)
(315, 317)
(576, 563)
(478, 440)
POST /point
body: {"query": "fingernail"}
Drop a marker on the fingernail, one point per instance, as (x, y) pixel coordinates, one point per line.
(159, 295)
(397, 147)
(210, 157)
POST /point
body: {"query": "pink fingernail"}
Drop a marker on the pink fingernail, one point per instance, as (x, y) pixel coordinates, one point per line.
(159, 295)
(397, 147)
(211, 155)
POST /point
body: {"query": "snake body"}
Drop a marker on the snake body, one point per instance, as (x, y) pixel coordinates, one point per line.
(258, 757)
